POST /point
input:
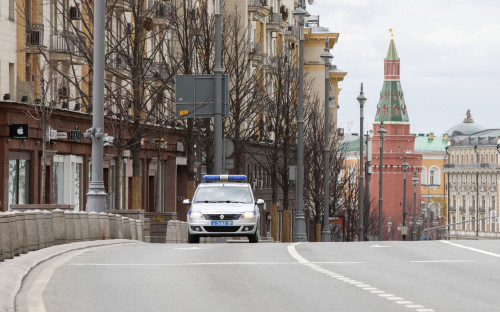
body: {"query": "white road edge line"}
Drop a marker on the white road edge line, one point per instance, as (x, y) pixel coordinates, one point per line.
(397, 300)
(472, 249)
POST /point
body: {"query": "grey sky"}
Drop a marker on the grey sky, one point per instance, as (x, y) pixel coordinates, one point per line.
(449, 51)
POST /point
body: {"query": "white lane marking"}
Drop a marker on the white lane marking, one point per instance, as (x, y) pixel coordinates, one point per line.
(379, 246)
(314, 265)
(443, 261)
(472, 249)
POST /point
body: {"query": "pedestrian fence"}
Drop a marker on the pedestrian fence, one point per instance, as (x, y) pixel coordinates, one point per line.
(22, 232)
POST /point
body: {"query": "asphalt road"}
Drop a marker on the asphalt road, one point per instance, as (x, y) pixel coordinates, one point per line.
(366, 276)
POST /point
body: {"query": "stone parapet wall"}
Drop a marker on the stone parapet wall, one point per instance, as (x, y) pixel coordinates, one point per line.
(30, 230)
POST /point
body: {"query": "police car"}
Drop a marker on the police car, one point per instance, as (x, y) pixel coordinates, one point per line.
(223, 206)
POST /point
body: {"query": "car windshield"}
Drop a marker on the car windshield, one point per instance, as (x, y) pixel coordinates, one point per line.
(223, 194)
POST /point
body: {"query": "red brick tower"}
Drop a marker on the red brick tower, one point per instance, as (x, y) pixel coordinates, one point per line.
(398, 143)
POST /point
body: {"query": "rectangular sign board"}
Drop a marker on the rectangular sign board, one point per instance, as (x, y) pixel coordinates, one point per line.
(195, 96)
(19, 131)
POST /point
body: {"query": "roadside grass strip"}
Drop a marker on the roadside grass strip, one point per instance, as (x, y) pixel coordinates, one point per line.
(363, 286)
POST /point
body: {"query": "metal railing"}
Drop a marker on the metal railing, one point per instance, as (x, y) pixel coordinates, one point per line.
(160, 8)
(68, 42)
(274, 19)
(471, 166)
(255, 3)
(34, 35)
(292, 31)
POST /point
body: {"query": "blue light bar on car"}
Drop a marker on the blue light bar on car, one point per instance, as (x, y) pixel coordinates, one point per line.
(224, 177)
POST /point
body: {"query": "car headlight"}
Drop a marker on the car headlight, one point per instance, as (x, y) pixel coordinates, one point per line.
(196, 215)
(248, 215)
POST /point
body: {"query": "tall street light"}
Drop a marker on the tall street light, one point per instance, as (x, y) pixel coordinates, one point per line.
(381, 133)
(218, 90)
(96, 196)
(405, 168)
(414, 180)
(327, 58)
(299, 232)
(361, 99)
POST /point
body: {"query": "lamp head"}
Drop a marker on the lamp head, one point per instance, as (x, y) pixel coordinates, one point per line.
(414, 180)
(381, 131)
(405, 166)
(326, 56)
(361, 98)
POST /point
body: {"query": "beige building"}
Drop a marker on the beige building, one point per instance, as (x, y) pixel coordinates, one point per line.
(8, 48)
(472, 168)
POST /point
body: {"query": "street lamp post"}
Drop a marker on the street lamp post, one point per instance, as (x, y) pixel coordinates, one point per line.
(381, 132)
(327, 58)
(405, 168)
(361, 99)
(218, 90)
(389, 226)
(299, 232)
(414, 180)
(96, 196)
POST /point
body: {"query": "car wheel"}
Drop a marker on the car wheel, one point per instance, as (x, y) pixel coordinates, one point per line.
(193, 239)
(254, 238)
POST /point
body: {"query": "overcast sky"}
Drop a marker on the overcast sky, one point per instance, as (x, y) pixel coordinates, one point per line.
(449, 51)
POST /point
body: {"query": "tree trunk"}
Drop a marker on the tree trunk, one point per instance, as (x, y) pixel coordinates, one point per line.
(274, 222)
(119, 182)
(158, 183)
(42, 160)
(136, 176)
(286, 226)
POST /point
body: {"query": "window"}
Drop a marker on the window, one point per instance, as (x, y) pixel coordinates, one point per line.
(67, 173)
(434, 176)
(19, 179)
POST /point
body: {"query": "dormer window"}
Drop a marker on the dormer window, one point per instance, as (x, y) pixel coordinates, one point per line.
(385, 110)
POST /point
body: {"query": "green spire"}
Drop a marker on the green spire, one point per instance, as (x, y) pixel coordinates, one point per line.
(392, 54)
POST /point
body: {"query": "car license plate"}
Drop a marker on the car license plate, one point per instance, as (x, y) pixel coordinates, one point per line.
(222, 223)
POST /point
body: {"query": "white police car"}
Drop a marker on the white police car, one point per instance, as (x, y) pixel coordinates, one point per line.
(223, 207)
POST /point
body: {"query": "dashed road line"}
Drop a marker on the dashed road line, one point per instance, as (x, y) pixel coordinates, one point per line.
(314, 265)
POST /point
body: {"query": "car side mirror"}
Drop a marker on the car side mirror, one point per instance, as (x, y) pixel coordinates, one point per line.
(260, 202)
(186, 202)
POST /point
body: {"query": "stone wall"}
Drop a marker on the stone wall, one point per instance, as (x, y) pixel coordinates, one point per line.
(21, 232)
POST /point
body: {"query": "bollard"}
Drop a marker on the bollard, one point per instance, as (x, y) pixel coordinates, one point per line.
(23, 235)
(41, 228)
(94, 228)
(119, 227)
(140, 230)
(70, 226)
(133, 228)
(59, 226)
(184, 232)
(126, 228)
(14, 245)
(170, 232)
(49, 228)
(178, 238)
(147, 230)
(84, 218)
(5, 230)
(77, 223)
(104, 225)
(112, 225)
(32, 230)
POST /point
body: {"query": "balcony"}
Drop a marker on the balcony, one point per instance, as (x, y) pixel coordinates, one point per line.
(159, 73)
(472, 209)
(292, 33)
(254, 5)
(117, 62)
(160, 11)
(470, 167)
(256, 53)
(274, 22)
(120, 5)
(461, 209)
(451, 209)
(67, 46)
(34, 38)
(482, 209)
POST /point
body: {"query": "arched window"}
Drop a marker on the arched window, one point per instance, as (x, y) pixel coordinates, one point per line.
(434, 176)
(385, 110)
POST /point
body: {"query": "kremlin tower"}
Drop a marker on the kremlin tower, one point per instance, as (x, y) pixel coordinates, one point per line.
(398, 145)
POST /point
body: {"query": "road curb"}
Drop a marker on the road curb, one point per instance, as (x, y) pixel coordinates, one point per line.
(13, 271)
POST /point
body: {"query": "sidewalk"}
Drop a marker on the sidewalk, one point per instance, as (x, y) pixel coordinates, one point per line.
(13, 271)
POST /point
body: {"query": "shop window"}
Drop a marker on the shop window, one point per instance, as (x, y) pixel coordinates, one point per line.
(19, 179)
(67, 173)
